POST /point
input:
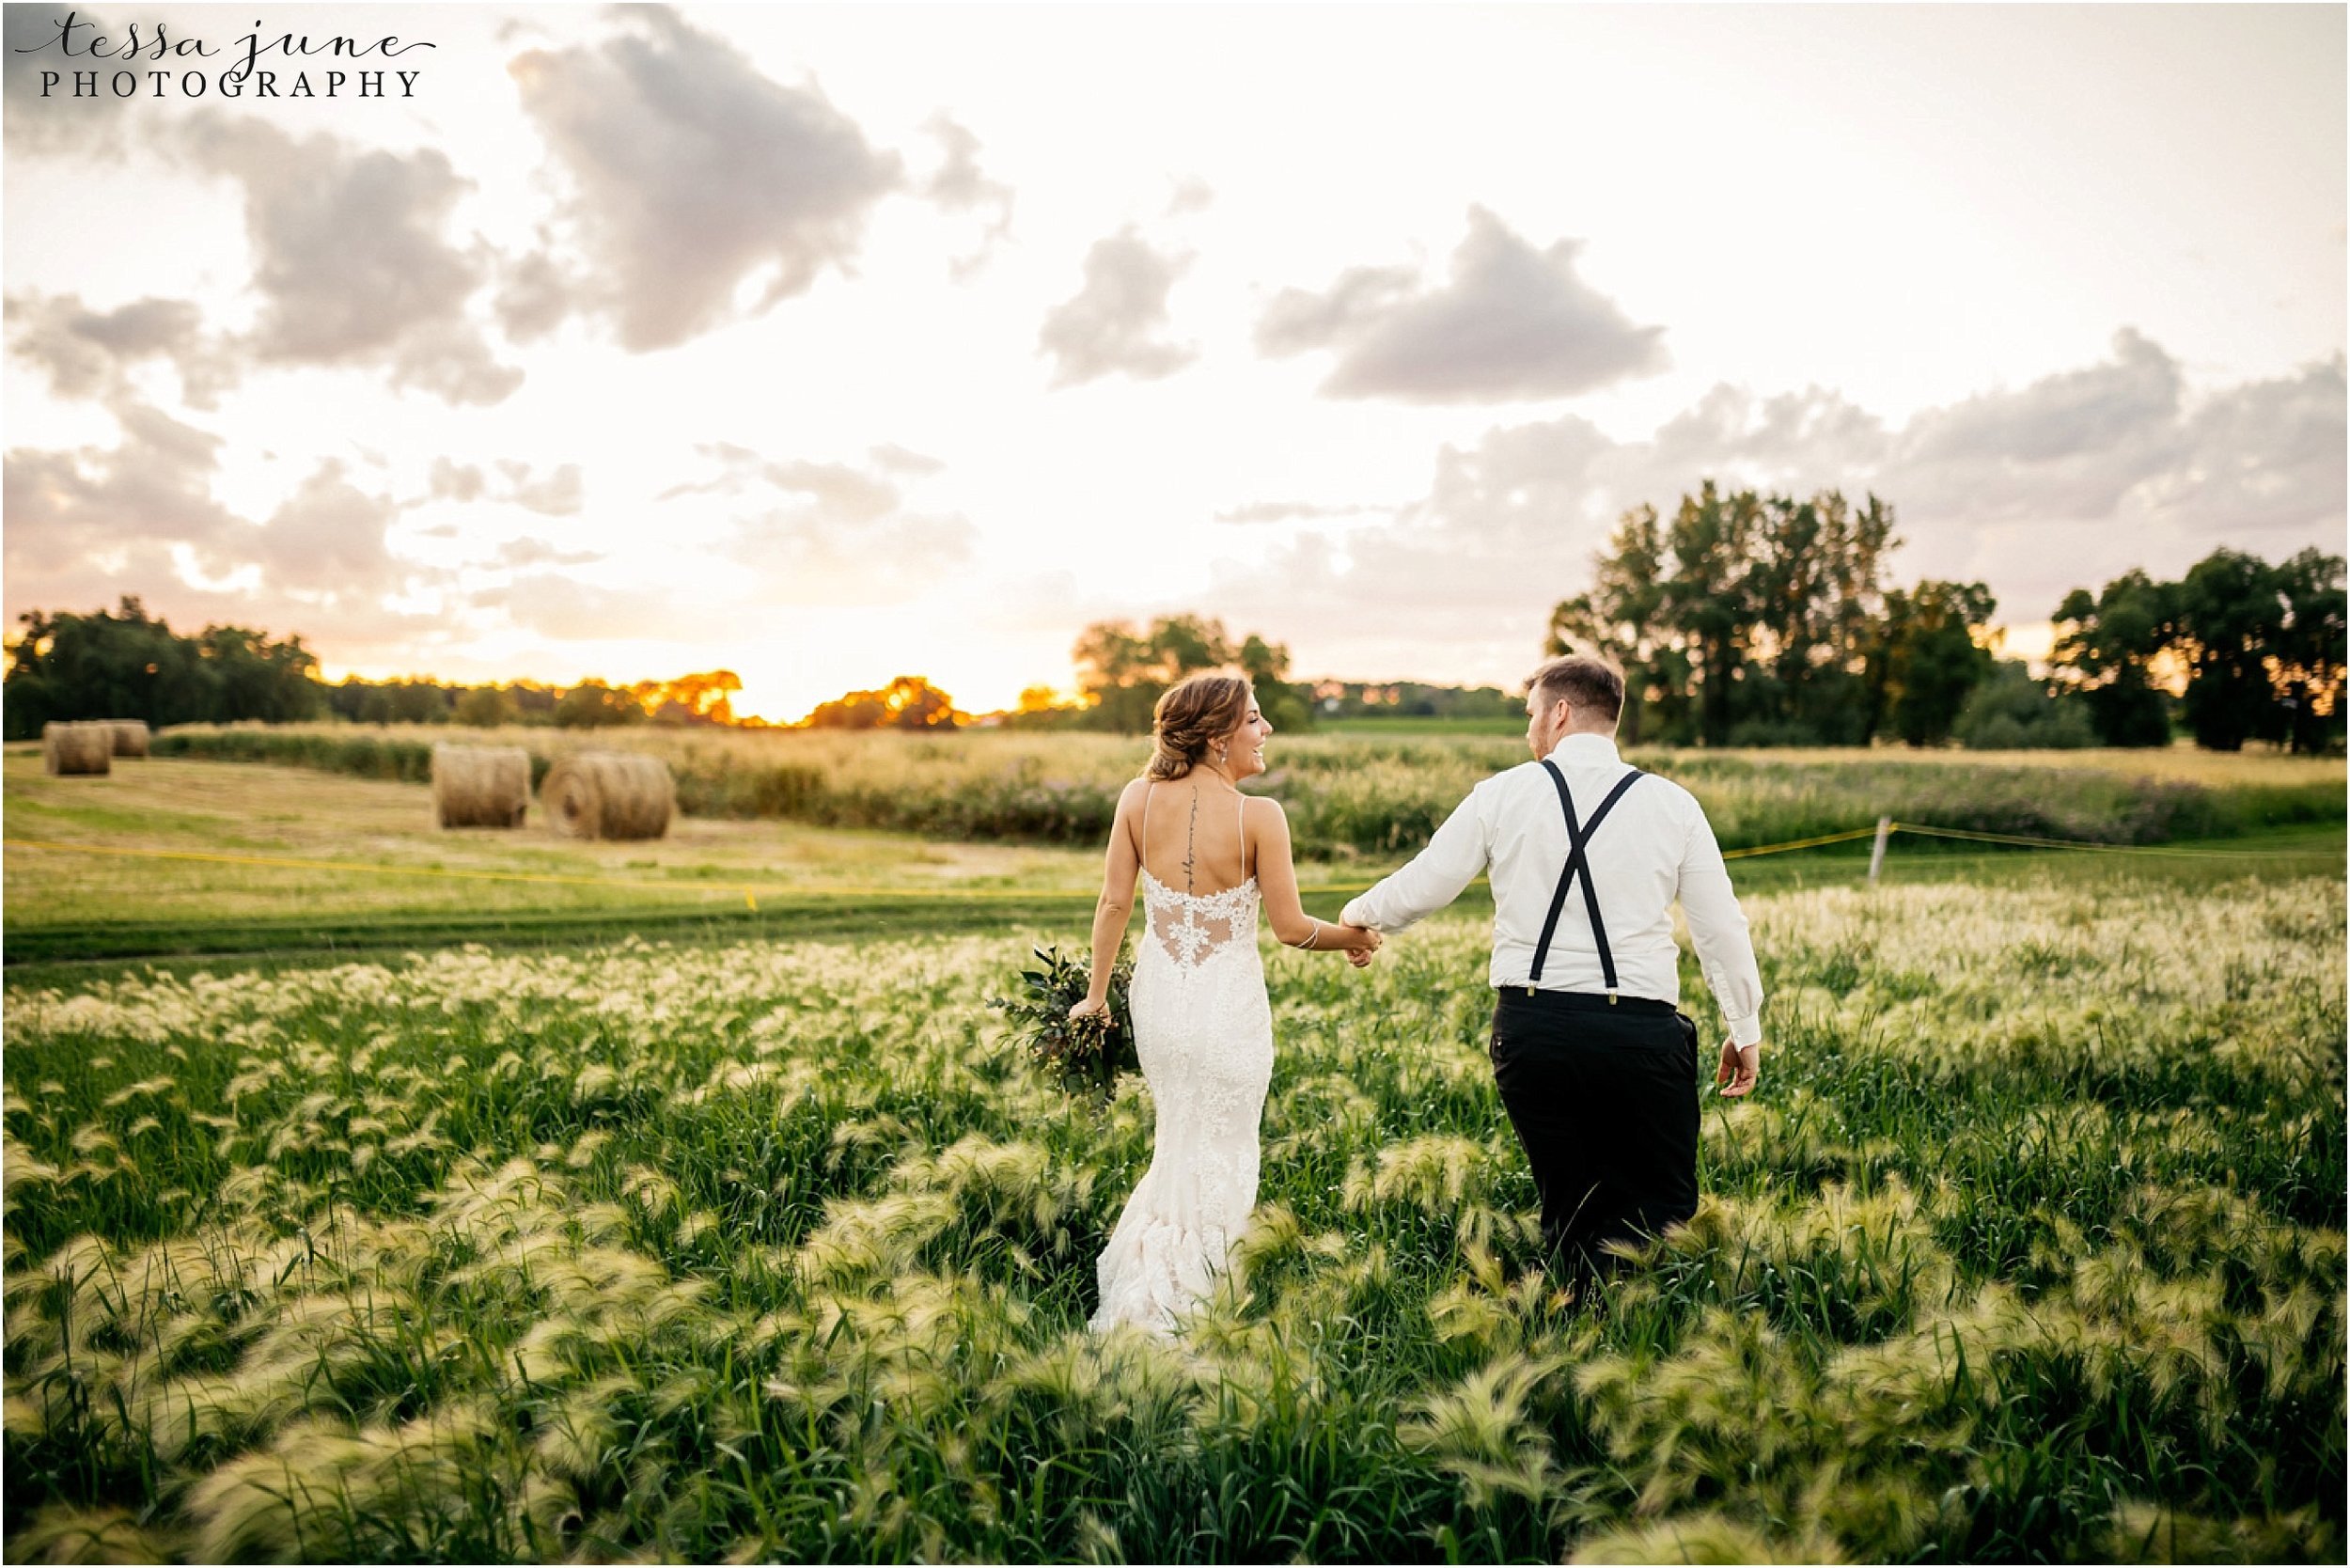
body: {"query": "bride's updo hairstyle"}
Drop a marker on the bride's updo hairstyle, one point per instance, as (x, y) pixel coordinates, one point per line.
(1195, 712)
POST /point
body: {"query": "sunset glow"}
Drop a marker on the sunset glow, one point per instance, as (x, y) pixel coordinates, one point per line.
(832, 344)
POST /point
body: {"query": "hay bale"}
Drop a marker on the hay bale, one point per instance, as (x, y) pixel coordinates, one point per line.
(480, 786)
(82, 745)
(129, 737)
(609, 795)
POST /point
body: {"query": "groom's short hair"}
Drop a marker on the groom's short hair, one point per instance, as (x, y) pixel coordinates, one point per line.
(1584, 682)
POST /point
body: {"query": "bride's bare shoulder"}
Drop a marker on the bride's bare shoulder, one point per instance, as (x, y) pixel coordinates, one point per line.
(1263, 811)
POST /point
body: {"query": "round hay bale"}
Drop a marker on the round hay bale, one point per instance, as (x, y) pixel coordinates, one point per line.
(129, 737)
(480, 786)
(78, 747)
(609, 795)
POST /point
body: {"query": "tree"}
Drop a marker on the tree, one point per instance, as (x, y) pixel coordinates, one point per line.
(593, 705)
(1122, 672)
(257, 679)
(2231, 619)
(2106, 648)
(487, 707)
(1744, 619)
(704, 699)
(1709, 598)
(1813, 589)
(908, 702)
(1934, 657)
(1268, 666)
(2307, 656)
(1622, 618)
(2009, 710)
(126, 665)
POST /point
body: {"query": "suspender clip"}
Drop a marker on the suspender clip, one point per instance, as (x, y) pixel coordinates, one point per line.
(1611, 999)
(1529, 991)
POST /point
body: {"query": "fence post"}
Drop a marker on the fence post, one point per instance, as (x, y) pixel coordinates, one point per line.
(1876, 856)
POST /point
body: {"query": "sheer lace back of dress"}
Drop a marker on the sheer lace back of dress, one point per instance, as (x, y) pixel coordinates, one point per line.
(1191, 928)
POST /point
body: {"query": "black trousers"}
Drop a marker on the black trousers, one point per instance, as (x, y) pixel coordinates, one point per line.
(1603, 1098)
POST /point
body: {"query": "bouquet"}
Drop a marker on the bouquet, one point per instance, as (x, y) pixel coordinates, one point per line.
(1082, 1055)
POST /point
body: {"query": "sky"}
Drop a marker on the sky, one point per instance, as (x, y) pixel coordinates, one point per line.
(826, 344)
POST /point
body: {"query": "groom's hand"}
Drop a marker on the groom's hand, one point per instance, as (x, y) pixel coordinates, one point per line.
(1739, 1065)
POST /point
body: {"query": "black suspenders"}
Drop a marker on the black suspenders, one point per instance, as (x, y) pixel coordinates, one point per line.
(1578, 838)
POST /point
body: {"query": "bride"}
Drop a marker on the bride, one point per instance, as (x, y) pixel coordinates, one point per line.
(1206, 856)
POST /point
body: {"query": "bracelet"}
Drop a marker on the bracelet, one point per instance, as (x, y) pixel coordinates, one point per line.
(1311, 937)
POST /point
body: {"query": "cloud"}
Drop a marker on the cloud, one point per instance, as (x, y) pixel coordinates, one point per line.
(522, 553)
(2064, 482)
(350, 260)
(691, 173)
(1191, 194)
(840, 535)
(1510, 323)
(1116, 321)
(457, 482)
(325, 543)
(149, 492)
(2070, 445)
(85, 525)
(960, 185)
(534, 294)
(556, 494)
(2269, 456)
(558, 606)
(803, 558)
(559, 493)
(890, 458)
(839, 491)
(58, 123)
(87, 353)
(1285, 512)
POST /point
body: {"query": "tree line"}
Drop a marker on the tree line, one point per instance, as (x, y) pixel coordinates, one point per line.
(1741, 618)
(126, 663)
(1746, 619)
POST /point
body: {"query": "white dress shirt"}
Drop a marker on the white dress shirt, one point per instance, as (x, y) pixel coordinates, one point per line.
(1654, 846)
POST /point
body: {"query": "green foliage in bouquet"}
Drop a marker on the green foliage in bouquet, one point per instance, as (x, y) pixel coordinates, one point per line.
(1082, 1055)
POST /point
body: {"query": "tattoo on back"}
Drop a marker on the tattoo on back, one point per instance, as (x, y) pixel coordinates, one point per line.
(1190, 837)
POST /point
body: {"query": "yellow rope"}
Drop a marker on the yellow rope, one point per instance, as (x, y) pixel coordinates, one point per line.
(2028, 842)
(1800, 843)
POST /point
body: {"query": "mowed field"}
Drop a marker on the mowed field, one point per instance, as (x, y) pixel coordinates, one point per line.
(435, 1216)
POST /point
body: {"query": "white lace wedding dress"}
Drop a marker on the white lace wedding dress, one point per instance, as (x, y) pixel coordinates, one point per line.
(1204, 1032)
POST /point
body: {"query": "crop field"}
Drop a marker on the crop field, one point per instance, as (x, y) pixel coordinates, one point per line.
(764, 1244)
(1355, 795)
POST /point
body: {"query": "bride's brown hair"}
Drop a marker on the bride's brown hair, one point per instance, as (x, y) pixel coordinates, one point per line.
(1195, 712)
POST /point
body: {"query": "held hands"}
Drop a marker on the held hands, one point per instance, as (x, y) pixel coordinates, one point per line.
(1358, 943)
(1739, 1066)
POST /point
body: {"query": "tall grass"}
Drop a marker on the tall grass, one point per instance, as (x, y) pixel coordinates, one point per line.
(1345, 794)
(2031, 1246)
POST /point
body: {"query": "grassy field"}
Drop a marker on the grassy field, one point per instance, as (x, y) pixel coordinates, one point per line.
(1356, 796)
(170, 856)
(518, 1237)
(2031, 1248)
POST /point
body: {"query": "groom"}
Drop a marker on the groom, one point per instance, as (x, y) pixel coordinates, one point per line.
(1596, 1063)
